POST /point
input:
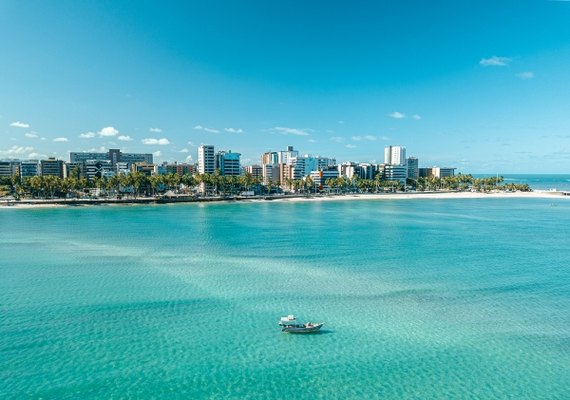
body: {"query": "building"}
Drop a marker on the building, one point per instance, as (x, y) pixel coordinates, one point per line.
(144, 168)
(256, 171)
(29, 168)
(228, 163)
(206, 159)
(347, 169)
(413, 168)
(113, 155)
(285, 157)
(53, 167)
(438, 172)
(98, 169)
(395, 173)
(180, 169)
(366, 171)
(320, 177)
(395, 155)
(271, 174)
(9, 168)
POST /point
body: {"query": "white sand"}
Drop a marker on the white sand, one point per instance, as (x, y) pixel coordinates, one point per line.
(380, 196)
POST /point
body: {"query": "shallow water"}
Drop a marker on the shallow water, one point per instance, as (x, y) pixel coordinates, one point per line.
(422, 298)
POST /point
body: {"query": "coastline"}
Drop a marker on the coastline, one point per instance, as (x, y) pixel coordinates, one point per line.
(49, 203)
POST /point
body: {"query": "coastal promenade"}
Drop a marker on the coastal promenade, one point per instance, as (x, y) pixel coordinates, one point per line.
(26, 203)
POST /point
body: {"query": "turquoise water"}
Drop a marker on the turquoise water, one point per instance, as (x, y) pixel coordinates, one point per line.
(560, 182)
(431, 299)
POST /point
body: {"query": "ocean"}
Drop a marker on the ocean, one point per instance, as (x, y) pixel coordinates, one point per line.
(560, 182)
(421, 299)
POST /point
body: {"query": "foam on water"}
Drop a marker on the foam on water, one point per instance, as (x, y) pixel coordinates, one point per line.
(420, 299)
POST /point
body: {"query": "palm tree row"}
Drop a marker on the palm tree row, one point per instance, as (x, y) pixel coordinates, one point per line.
(137, 183)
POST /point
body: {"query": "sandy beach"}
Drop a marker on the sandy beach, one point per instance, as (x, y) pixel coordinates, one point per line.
(49, 203)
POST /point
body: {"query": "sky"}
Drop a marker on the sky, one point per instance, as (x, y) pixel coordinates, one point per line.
(483, 86)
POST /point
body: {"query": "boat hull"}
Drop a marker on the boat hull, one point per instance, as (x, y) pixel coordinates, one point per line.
(302, 329)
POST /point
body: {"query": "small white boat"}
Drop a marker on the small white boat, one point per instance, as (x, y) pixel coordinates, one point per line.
(289, 324)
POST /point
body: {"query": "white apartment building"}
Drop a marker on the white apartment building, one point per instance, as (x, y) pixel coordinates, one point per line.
(206, 159)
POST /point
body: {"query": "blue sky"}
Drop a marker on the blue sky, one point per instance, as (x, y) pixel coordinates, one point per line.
(479, 85)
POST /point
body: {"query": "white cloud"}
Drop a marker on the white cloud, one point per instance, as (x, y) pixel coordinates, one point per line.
(31, 135)
(16, 150)
(125, 138)
(367, 137)
(161, 142)
(337, 139)
(233, 130)
(155, 130)
(35, 155)
(19, 124)
(397, 115)
(526, 75)
(385, 138)
(157, 153)
(87, 135)
(350, 146)
(101, 149)
(189, 158)
(416, 116)
(291, 131)
(312, 141)
(61, 139)
(183, 151)
(191, 144)
(108, 131)
(205, 129)
(495, 61)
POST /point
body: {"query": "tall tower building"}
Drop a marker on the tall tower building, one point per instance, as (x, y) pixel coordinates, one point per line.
(206, 159)
(395, 155)
(228, 163)
(413, 168)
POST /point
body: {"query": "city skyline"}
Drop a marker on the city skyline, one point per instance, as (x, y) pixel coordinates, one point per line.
(484, 89)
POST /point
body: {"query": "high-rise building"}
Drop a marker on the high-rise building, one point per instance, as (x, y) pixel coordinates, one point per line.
(206, 159)
(395, 155)
(228, 163)
(9, 168)
(413, 168)
(54, 167)
(98, 169)
(256, 171)
(113, 155)
(29, 168)
(285, 157)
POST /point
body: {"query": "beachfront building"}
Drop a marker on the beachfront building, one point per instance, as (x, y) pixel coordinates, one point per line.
(270, 167)
(286, 157)
(395, 155)
(144, 168)
(228, 163)
(437, 172)
(29, 168)
(366, 171)
(320, 177)
(98, 169)
(397, 173)
(9, 168)
(347, 169)
(256, 171)
(113, 155)
(180, 168)
(304, 165)
(413, 168)
(53, 167)
(206, 159)
(271, 174)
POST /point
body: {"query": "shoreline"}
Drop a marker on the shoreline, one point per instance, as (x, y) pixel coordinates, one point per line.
(49, 203)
